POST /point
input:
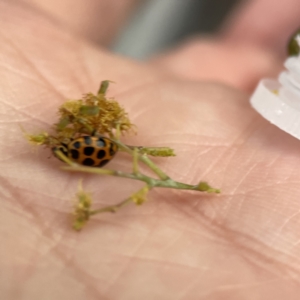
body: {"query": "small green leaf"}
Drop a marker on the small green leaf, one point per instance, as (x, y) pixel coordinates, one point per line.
(205, 187)
(103, 87)
(89, 110)
(63, 123)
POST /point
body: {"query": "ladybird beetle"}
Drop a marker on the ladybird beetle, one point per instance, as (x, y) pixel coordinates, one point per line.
(88, 150)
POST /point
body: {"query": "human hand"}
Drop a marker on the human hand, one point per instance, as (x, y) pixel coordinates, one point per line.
(250, 45)
(242, 244)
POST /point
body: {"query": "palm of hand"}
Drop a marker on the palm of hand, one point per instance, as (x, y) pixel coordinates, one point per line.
(178, 245)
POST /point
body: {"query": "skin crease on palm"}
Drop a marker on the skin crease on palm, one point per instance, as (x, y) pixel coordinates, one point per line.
(241, 244)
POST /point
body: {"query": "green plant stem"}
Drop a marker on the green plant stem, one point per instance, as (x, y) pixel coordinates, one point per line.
(145, 159)
(111, 208)
(87, 126)
(115, 207)
(79, 168)
(135, 162)
(164, 181)
(151, 182)
(103, 87)
(118, 132)
(59, 154)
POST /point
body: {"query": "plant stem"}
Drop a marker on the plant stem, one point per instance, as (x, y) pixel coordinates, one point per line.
(65, 159)
(147, 161)
(111, 208)
(93, 170)
(103, 87)
(151, 182)
(87, 126)
(144, 158)
(114, 208)
(135, 162)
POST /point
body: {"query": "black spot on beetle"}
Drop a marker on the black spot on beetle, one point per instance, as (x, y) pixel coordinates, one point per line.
(77, 145)
(88, 162)
(103, 162)
(74, 154)
(101, 154)
(88, 151)
(101, 143)
(87, 140)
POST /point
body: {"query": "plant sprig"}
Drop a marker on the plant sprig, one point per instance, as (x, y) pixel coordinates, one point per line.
(97, 114)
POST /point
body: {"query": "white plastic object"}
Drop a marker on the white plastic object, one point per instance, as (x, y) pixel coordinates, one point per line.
(278, 101)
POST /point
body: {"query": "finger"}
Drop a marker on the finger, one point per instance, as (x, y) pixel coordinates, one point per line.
(266, 23)
(240, 66)
(98, 20)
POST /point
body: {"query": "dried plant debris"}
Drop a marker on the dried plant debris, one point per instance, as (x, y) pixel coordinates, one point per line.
(87, 136)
